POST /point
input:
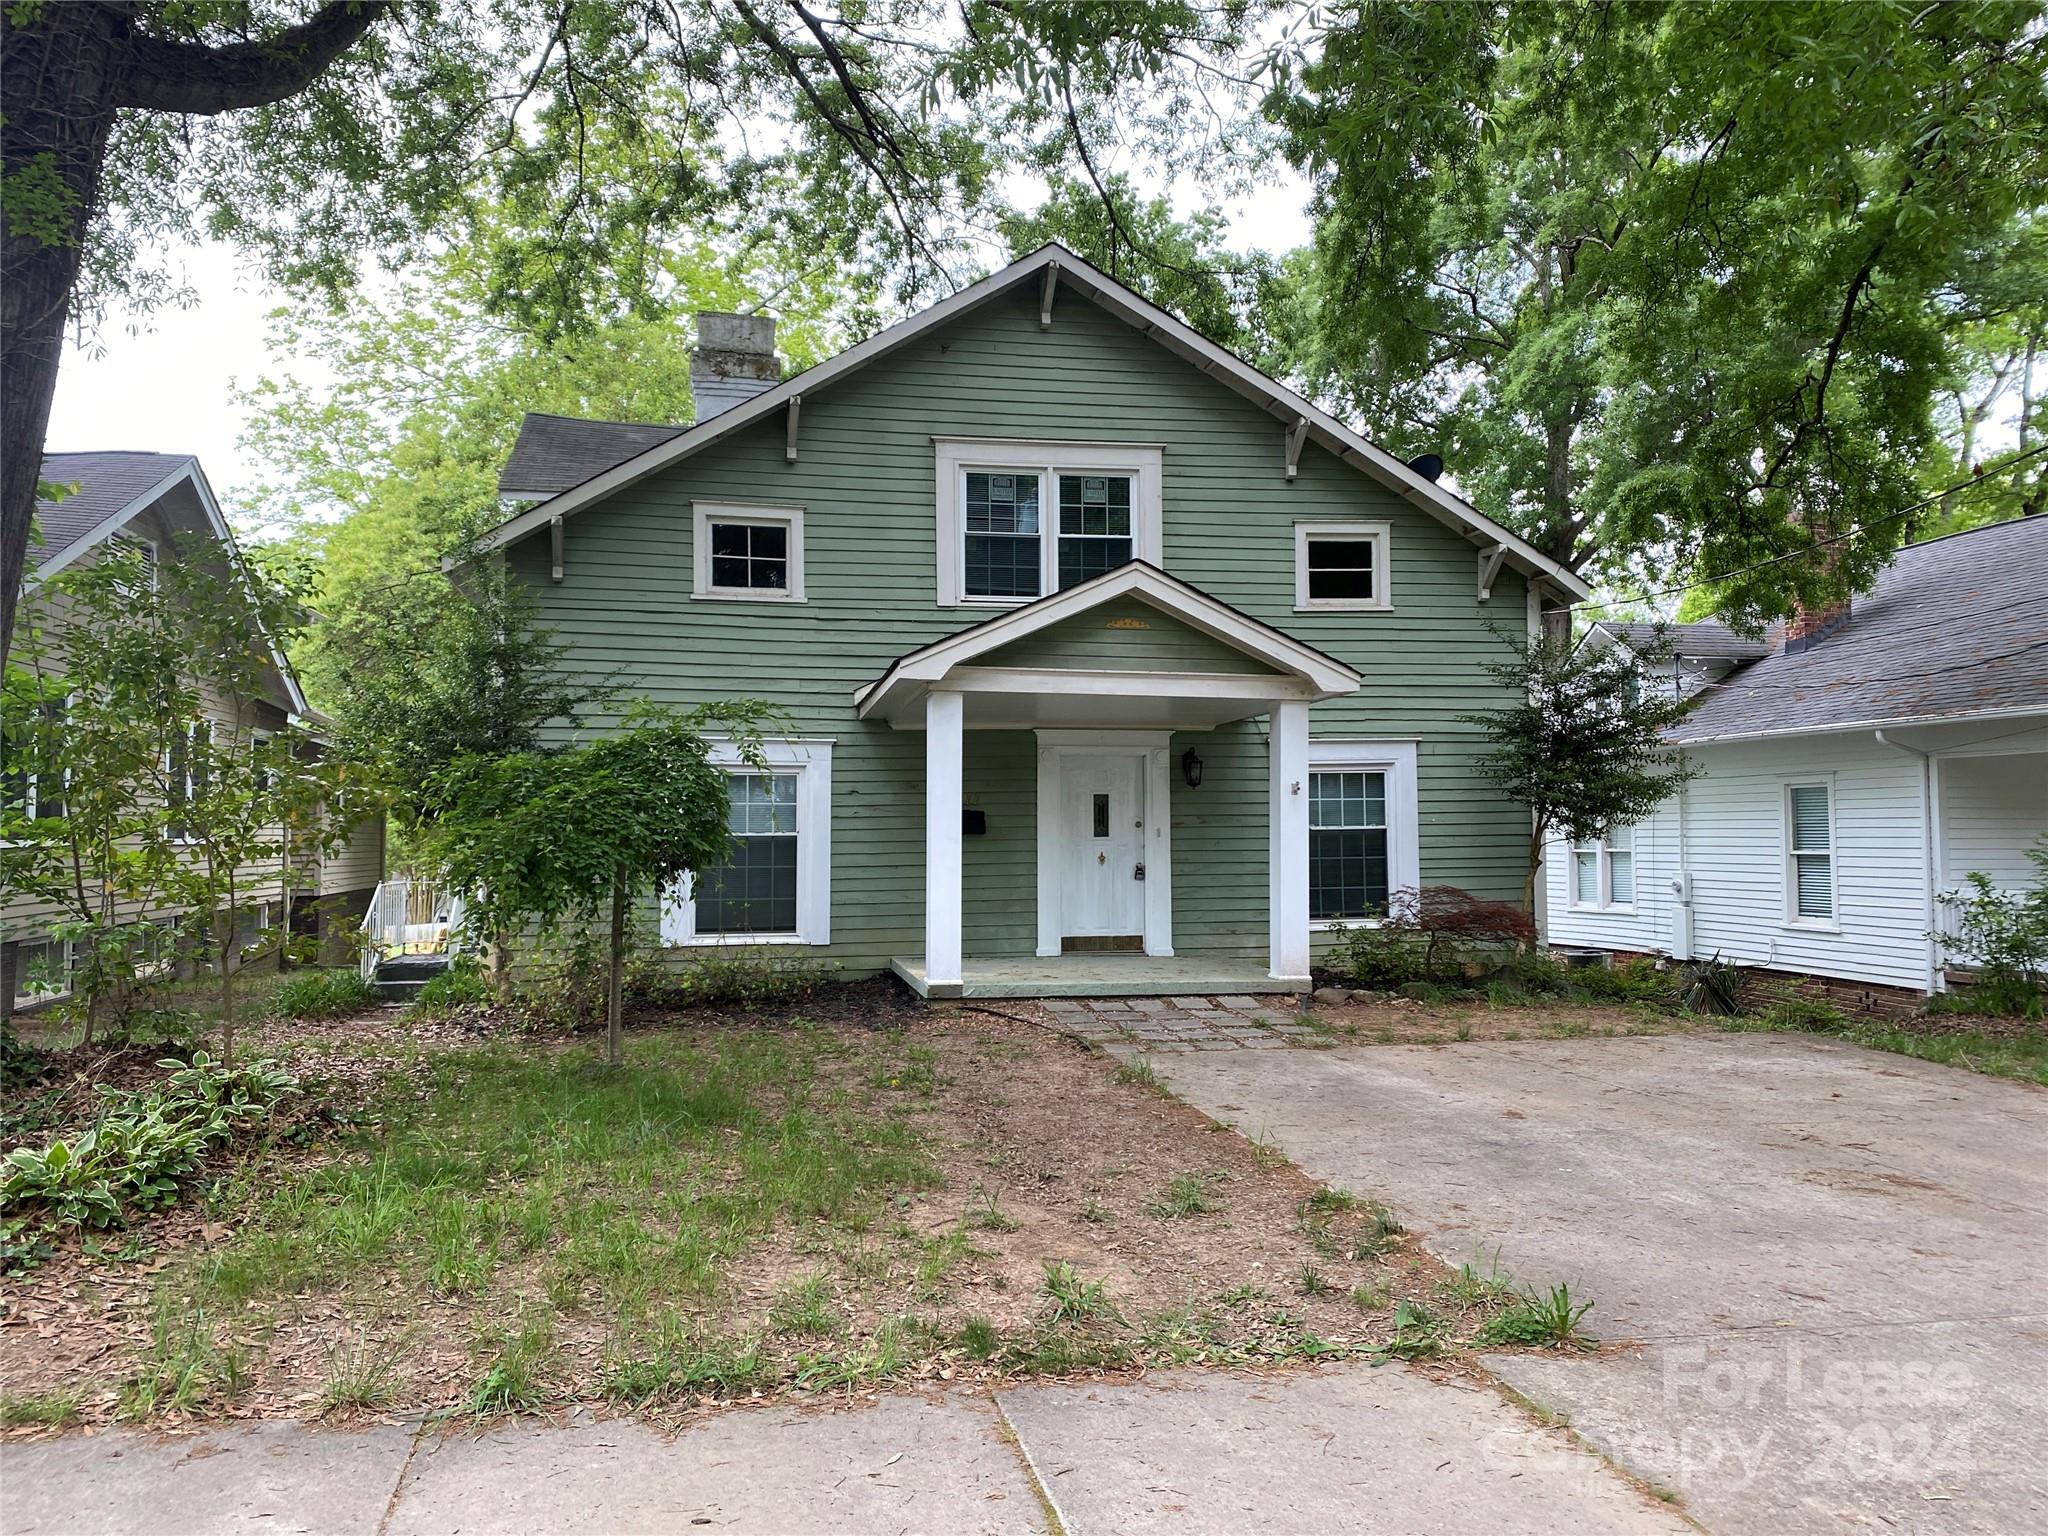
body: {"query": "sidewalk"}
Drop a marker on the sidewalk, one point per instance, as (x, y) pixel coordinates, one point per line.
(1349, 1448)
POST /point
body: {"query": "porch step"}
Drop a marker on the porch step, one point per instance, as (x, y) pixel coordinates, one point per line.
(400, 978)
(1101, 975)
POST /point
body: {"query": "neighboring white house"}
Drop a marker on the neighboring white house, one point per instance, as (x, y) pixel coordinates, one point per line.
(1853, 768)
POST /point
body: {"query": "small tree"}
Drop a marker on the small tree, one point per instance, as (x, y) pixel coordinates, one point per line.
(141, 801)
(1583, 747)
(536, 838)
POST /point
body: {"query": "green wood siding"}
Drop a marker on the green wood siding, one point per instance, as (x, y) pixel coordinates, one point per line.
(1128, 635)
(865, 479)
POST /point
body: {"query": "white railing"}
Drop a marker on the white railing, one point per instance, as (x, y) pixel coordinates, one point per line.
(410, 917)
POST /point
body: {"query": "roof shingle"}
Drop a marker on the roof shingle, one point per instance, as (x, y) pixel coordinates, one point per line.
(555, 452)
(106, 483)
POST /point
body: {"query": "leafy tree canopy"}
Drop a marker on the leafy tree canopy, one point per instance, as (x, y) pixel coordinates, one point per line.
(1668, 283)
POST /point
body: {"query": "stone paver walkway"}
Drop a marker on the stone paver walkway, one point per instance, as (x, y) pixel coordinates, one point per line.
(1177, 1024)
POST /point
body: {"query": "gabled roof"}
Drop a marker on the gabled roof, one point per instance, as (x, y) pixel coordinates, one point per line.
(1955, 628)
(113, 489)
(1283, 404)
(1701, 640)
(110, 488)
(1324, 676)
(554, 453)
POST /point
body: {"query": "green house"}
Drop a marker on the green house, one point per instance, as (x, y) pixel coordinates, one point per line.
(1108, 663)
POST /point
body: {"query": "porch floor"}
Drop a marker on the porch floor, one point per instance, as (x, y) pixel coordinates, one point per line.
(1102, 974)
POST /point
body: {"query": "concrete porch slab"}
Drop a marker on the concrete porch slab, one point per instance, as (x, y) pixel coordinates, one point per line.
(1100, 975)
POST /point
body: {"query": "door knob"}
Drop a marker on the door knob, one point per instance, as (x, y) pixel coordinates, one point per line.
(1102, 858)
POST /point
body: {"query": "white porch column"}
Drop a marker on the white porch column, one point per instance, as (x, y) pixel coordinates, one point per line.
(943, 713)
(1287, 831)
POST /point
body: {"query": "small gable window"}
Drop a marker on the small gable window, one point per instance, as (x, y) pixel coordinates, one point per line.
(1341, 566)
(749, 554)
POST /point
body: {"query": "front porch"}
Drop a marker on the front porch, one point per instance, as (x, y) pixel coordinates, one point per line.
(1099, 974)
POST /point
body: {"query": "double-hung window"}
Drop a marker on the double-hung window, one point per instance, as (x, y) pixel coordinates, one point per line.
(1604, 869)
(1020, 520)
(1341, 566)
(748, 553)
(31, 786)
(185, 774)
(1348, 869)
(42, 971)
(774, 883)
(1809, 854)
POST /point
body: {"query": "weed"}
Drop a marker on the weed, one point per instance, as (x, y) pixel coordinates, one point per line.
(361, 1374)
(1311, 1281)
(1187, 1195)
(978, 1338)
(186, 1366)
(1368, 1297)
(937, 1257)
(331, 994)
(917, 1073)
(1794, 1008)
(1328, 1202)
(1140, 1074)
(1464, 1031)
(805, 1309)
(1266, 1154)
(1074, 1300)
(1382, 1232)
(1547, 1319)
(672, 1362)
(1240, 1296)
(512, 1381)
(1418, 1332)
(50, 1410)
(1472, 1287)
(1096, 1212)
(462, 985)
(989, 1217)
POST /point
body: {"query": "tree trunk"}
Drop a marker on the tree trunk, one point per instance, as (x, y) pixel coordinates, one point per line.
(615, 984)
(227, 990)
(56, 77)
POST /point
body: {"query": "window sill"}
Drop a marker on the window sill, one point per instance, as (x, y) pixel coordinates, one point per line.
(736, 940)
(1811, 925)
(733, 595)
(1332, 924)
(1336, 607)
(1613, 909)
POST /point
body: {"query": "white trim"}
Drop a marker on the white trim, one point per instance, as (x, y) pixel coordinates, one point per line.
(1788, 869)
(1048, 458)
(1268, 394)
(1134, 685)
(1327, 676)
(1896, 722)
(1153, 749)
(1602, 849)
(1378, 535)
(811, 761)
(1397, 760)
(704, 513)
(1287, 926)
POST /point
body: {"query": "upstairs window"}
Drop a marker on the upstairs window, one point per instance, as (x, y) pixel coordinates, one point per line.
(1810, 854)
(748, 554)
(26, 742)
(1341, 566)
(1020, 520)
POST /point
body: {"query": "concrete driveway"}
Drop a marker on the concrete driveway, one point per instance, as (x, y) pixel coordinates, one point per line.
(1827, 1263)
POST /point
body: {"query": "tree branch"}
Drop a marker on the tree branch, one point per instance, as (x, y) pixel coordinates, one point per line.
(164, 76)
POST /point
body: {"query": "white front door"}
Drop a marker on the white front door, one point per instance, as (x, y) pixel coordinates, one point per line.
(1102, 844)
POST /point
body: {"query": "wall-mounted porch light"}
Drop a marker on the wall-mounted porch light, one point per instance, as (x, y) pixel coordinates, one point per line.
(1191, 768)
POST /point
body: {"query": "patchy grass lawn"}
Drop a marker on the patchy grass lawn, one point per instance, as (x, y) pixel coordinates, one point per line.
(1996, 1047)
(738, 1211)
(1403, 1021)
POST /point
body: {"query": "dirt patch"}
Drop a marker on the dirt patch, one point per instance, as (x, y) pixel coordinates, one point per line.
(1204, 1247)
(1405, 1021)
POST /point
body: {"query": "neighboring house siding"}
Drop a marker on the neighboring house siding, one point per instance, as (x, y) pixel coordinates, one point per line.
(1993, 809)
(864, 478)
(358, 864)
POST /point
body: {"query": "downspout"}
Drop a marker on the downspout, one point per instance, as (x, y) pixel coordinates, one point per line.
(1681, 890)
(1929, 877)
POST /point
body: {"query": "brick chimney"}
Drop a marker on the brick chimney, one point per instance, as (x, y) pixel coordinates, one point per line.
(1809, 626)
(734, 360)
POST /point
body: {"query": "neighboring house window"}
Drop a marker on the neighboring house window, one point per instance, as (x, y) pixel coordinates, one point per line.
(1604, 870)
(144, 551)
(1348, 875)
(42, 971)
(1363, 841)
(259, 751)
(1019, 520)
(36, 796)
(1341, 566)
(185, 773)
(749, 554)
(774, 885)
(1810, 853)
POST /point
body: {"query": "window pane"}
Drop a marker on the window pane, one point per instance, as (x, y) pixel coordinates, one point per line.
(750, 557)
(1340, 570)
(1085, 559)
(1095, 526)
(754, 890)
(1347, 873)
(1101, 815)
(1621, 878)
(1816, 884)
(1810, 817)
(1001, 565)
(768, 541)
(1348, 798)
(729, 539)
(1002, 503)
(1586, 877)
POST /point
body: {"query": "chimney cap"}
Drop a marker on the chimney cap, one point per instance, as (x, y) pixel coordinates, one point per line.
(719, 331)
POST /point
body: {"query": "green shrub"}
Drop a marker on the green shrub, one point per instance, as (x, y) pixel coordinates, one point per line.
(1799, 1009)
(2003, 939)
(1538, 1319)
(1637, 981)
(460, 986)
(1432, 935)
(744, 976)
(329, 994)
(135, 1154)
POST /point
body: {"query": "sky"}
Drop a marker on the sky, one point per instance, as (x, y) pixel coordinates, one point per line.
(167, 383)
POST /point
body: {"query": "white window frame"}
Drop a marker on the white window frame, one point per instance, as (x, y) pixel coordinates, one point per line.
(956, 456)
(1602, 849)
(31, 783)
(811, 762)
(1379, 535)
(183, 837)
(1396, 760)
(1789, 869)
(704, 513)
